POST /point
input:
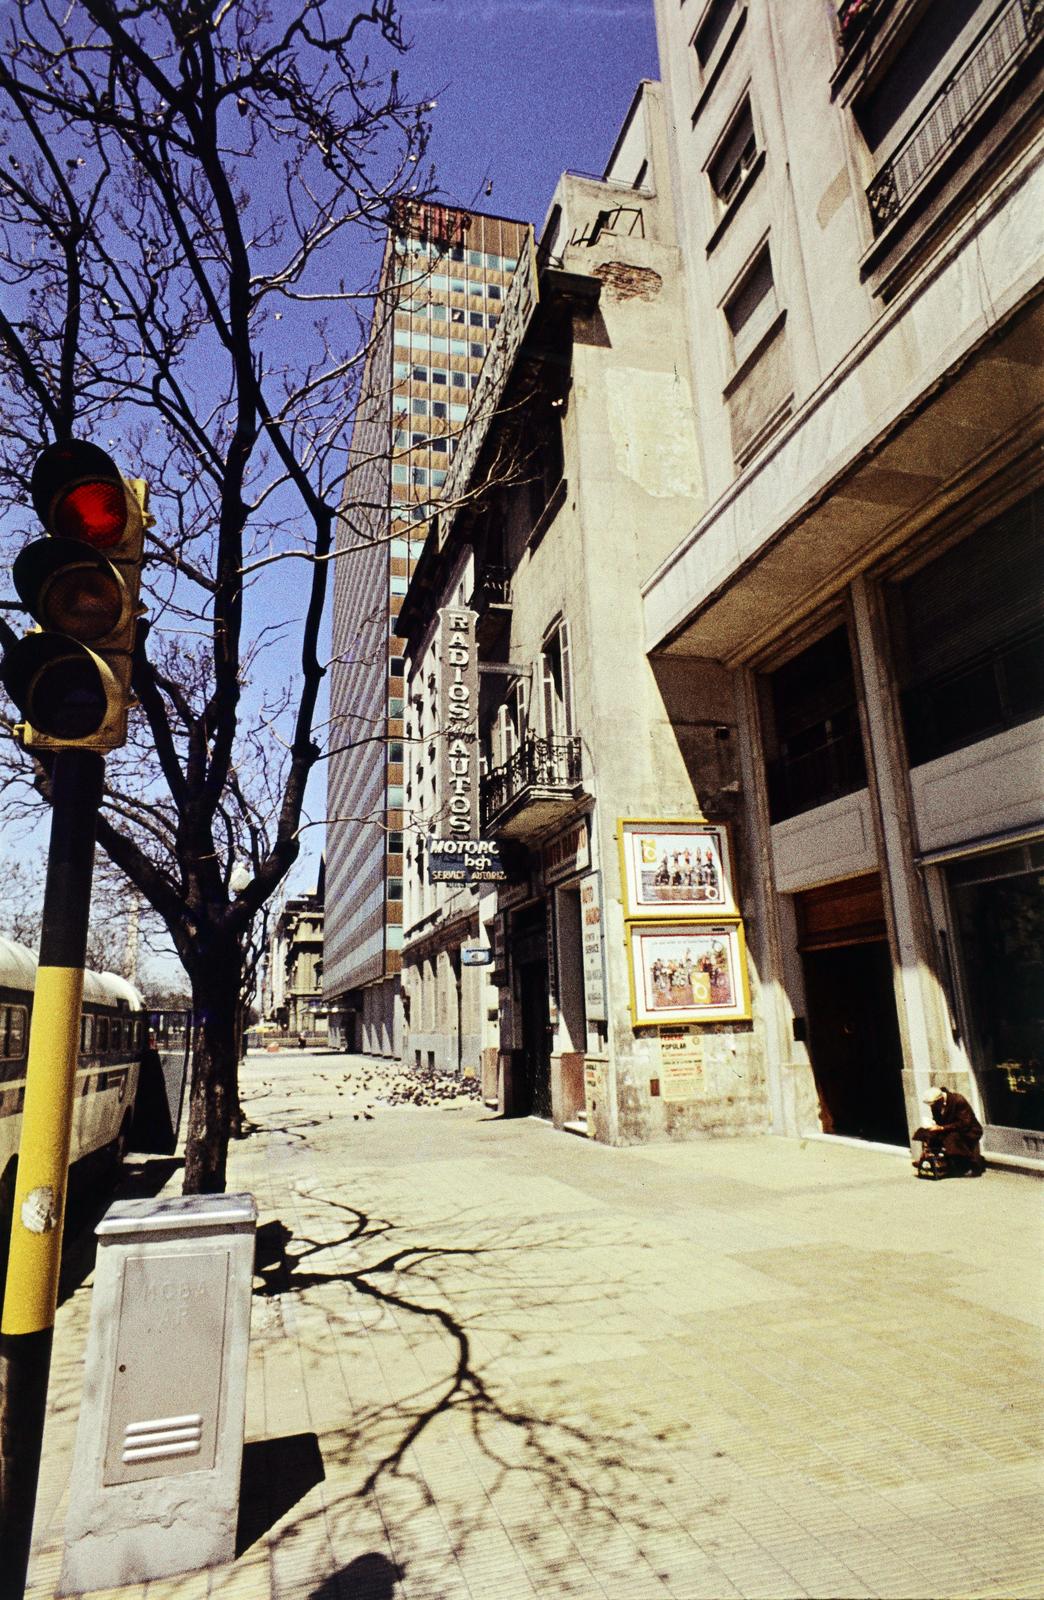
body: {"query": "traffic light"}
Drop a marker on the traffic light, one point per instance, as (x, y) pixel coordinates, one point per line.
(71, 676)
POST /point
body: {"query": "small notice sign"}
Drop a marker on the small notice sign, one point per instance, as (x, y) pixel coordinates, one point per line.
(681, 1063)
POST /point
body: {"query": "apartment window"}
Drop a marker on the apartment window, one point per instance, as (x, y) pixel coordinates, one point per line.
(418, 475)
(418, 438)
(557, 683)
(419, 408)
(494, 291)
(478, 349)
(458, 286)
(420, 374)
(475, 318)
(475, 288)
(734, 157)
(752, 305)
(397, 664)
(493, 320)
(968, 635)
(814, 745)
(439, 444)
(460, 380)
(438, 377)
(395, 844)
(438, 408)
(457, 315)
(710, 29)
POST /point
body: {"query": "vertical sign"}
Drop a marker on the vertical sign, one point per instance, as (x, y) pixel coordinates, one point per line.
(593, 948)
(459, 767)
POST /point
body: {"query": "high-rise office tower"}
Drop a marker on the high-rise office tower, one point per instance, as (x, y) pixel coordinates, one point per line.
(443, 284)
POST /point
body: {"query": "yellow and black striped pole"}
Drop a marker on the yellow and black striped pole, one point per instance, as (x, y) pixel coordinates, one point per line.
(31, 1292)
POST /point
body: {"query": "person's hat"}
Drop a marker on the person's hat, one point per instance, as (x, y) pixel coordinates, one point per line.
(936, 1094)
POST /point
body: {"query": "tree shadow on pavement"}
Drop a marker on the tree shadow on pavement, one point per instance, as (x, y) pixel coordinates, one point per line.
(413, 1291)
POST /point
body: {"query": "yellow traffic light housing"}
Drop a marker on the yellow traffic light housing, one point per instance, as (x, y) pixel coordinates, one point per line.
(71, 678)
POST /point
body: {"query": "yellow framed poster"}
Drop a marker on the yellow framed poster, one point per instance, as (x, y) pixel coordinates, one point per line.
(692, 971)
(679, 868)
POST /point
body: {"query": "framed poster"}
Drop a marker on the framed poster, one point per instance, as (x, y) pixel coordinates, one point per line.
(676, 868)
(687, 972)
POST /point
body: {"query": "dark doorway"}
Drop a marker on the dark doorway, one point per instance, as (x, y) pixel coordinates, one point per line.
(854, 1041)
(535, 1098)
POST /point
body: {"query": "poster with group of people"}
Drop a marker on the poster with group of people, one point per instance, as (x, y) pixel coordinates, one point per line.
(684, 933)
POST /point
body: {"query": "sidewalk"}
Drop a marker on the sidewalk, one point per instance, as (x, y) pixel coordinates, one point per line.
(491, 1361)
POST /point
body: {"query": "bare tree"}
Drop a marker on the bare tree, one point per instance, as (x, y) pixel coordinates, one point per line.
(191, 212)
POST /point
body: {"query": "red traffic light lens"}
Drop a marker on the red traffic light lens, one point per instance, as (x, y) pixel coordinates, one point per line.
(85, 602)
(94, 513)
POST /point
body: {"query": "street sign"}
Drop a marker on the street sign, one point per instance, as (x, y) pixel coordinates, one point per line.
(476, 956)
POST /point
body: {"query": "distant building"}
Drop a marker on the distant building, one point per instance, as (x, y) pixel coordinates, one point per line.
(294, 980)
(442, 289)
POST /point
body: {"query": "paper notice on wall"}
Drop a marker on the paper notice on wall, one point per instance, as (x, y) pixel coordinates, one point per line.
(681, 1063)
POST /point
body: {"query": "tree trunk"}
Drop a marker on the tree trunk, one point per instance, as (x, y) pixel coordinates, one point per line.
(214, 1095)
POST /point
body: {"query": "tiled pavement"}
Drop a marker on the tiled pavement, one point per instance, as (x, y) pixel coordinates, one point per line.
(531, 1365)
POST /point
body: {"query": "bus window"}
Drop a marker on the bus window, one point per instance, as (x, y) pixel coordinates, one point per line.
(101, 1033)
(137, 1035)
(17, 1018)
(116, 1034)
(86, 1033)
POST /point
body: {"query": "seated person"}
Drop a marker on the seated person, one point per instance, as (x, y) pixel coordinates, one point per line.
(954, 1132)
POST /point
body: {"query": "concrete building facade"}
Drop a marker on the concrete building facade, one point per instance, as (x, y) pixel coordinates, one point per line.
(861, 217)
(293, 985)
(441, 291)
(834, 236)
(596, 443)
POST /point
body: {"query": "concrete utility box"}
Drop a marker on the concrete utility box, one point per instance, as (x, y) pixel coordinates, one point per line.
(159, 1447)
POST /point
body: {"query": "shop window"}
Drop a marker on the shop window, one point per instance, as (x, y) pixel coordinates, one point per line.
(998, 906)
(968, 636)
(813, 742)
(734, 156)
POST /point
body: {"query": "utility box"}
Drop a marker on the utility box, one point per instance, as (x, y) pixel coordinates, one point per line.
(159, 1446)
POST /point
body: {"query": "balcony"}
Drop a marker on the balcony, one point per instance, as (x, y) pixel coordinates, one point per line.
(954, 111)
(533, 789)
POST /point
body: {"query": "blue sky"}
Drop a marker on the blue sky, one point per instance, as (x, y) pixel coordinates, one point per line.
(525, 89)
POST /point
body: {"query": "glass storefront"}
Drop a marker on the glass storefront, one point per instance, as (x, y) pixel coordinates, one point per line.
(998, 907)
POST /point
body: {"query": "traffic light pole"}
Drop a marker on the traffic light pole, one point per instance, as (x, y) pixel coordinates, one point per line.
(31, 1294)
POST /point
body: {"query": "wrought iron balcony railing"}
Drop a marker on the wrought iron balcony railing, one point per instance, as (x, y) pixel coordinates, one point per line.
(954, 109)
(548, 765)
